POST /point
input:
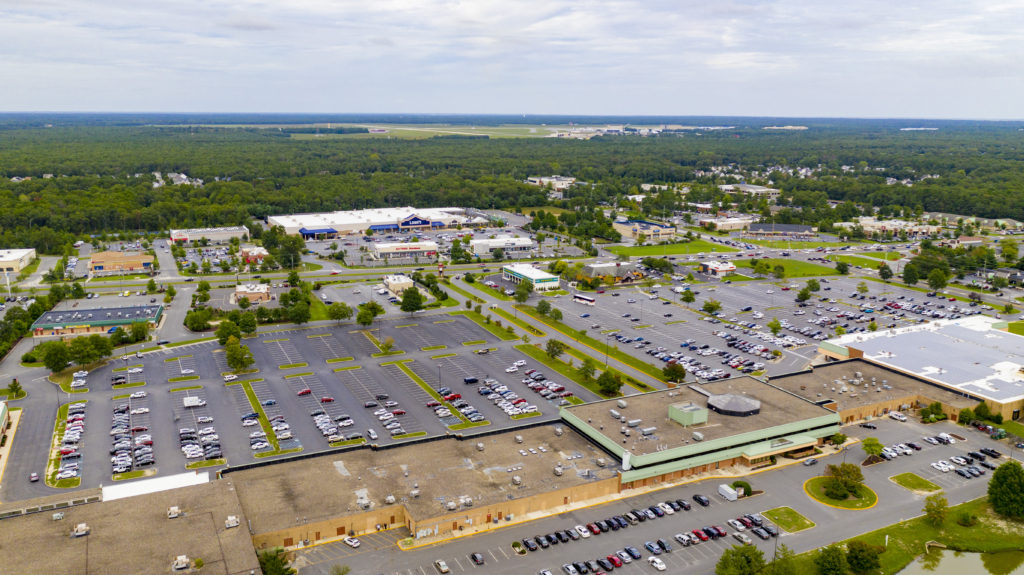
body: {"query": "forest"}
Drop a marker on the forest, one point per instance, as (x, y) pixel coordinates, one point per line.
(99, 170)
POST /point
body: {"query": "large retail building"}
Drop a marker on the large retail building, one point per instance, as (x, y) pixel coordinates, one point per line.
(403, 250)
(102, 263)
(381, 220)
(541, 280)
(213, 235)
(75, 322)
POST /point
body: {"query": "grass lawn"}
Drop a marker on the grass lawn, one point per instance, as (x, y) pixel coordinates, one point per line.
(522, 324)
(786, 244)
(500, 332)
(694, 247)
(497, 293)
(788, 520)
(906, 540)
(317, 310)
(1012, 427)
(63, 378)
(180, 343)
(32, 365)
(855, 261)
(464, 293)
(597, 346)
(626, 380)
(914, 482)
(183, 378)
(207, 463)
(887, 256)
(1016, 327)
(815, 487)
(794, 268)
(575, 400)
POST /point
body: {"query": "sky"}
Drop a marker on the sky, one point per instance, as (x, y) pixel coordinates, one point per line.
(852, 58)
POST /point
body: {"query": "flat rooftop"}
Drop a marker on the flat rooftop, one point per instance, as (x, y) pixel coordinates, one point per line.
(133, 535)
(14, 254)
(228, 229)
(528, 271)
(777, 408)
(878, 383)
(968, 354)
(444, 470)
(96, 316)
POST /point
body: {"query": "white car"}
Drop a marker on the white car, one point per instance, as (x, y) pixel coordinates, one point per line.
(250, 423)
(135, 370)
(583, 531)
(519, 362)
(138, 395)
(230, 377)
(511, 369)
(260, 445)
(81, 373)
(938, 466)
(351, 542)
(140, 410)
(657, 563)
(187, 371)
(666, 508)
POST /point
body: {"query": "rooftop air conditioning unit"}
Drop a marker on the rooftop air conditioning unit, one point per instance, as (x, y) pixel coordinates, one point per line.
(516, 480)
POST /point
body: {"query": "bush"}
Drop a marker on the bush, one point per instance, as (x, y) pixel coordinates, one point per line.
(965, 519)
(29, 357)
(746, 487)
(836, 490)
(199, 563)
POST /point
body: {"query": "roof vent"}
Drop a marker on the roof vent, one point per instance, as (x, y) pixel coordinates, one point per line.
(517, 480)
(558, 430)
(415, 493)
(451, 506)
(390, 499)
(519, 439)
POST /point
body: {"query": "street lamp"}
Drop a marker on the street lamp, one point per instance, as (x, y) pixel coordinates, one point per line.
(439, 376)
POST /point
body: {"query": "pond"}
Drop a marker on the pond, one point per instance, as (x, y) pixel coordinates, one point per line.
(940, 562)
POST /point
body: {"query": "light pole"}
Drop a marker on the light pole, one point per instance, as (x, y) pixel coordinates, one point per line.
(439, 376)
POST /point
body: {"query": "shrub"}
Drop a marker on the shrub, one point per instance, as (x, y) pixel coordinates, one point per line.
(746, 487)
(965, 519)
(29, 357)
(199, 563)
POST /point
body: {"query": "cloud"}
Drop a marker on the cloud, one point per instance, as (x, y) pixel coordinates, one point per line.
(801, 57)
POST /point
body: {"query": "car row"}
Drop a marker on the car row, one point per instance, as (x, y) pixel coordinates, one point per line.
(70, 455)
(202, 443)
(131, 445)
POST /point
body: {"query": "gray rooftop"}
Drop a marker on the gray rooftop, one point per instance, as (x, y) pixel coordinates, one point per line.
(98, 315)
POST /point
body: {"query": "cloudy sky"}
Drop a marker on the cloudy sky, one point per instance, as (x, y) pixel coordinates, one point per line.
(852, 58)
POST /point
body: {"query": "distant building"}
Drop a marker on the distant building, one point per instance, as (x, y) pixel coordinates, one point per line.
(16, 260)
(255, 293)
(401, 250)
(106, 263)
(617, 270)
(541, 281)
(557, 183)
(716, 268)
(75, 322)
(780, 231)
(254, 254)
(871, 225)
(725, 224)
(511, 246)
(377, 221)
(752, 190)
(651, 231)
(212, 235)
(963, 242)
(397, 283)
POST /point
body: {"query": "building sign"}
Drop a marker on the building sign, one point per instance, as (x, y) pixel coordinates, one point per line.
(414, 221)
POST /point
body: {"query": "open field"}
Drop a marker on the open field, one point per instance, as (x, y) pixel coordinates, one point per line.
(794, 268)
(694, 247)
(887, 256)
(855, 260)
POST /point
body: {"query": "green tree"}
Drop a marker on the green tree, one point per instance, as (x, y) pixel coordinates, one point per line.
(910, 275)
(543, 307)
(674, 372)
(862, 288)
(299, 313)
(82, 351)
(412, 300)
(365, 317)
(937, 279)
(884, 271)
(554, 348)
(523, 291)
(784, 562)
(55, 355)
(981, 411)
(498, 254)
(339, 570)
(227, 329)
(803, 295)
(842, 268)
(863, 557)
(387, 345)
(247, 322)
(813, 284)
(204, 286)
(688, 297)
(151, 286)
(935, 509)
(966, 416)
(293, 279)
(609, 384)
(872, 447)
(712, 306)
(171, 292)
(339, 311)
(1006, 490)
(238, 356)
(762, 267)
(740, 560)
(14, 389)
(77, 291)
(775, 326)
(139, 331)
(844, 479)
(275, 562)
(872, 326)
(1009, 249)
(243, 302)
(830, 560)
(586, 370)
(555, 314)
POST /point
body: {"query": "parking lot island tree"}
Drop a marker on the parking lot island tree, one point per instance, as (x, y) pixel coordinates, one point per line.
(1006, 490)
(910, 275)
(586, 369)
(937, 279)
(543, 307)
(339, 311)
(674, 372)
(741, 560)
(712, 306)
(872, 448)
(884, 272)
(608, 383)
(554, 348)
(247, 323)
(843, 268)
(688, 298)
(783, 563)
(238, 356)
(226, 330)
(935, 509)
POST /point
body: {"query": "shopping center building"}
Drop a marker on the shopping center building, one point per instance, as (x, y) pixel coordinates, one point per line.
(518, 273)
(380, 220)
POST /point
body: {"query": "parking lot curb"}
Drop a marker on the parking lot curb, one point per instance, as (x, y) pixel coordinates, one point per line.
(5, 451)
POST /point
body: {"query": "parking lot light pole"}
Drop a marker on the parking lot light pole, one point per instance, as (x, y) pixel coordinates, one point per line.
(439, 376)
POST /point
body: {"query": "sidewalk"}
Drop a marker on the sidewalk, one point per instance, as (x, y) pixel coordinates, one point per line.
(5, 451)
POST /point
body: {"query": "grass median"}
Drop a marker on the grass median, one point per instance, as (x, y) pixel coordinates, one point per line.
(53, 465)
(293, 365)
(788, 520)
(794, 268)
(496, 330)
(127, 385)
(181, 378)
(914, 482)
(692, 247)
(187, 388)
(597, 346)
(465, 294)
(559, 366)
(206, 463)
(257, 407)
(815, 488)
(515, 320)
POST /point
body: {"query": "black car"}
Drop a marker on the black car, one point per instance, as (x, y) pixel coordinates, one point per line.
(476, 558)
(580, 567)
(572, 534)
(771, 529)
(640, 515)
(605, 564)
(702, 500)
(633, 552)
(593, 566)
(869, 426)
(530, 544)
(991, 452)
(562, 537)
(664, 546)
(602, 525)
(542, 540)
(552, 538)
(684, 504)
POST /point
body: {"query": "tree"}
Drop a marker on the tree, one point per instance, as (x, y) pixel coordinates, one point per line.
(831, 560)
(966, 416)
(937, 279)
(609, 384)
(139, 331)
(556, 314)
(762, 267)
(14, 389)
(82, 351)
(843, 268)
(872, 447)
(77, 291)
(365, 316)
(775, 326)
(171, 292)
(151, 286)
(813, 285)
(981, 411)
(247, 322)
(711, 306)
(688, 297)
(339, 311)
(1006, 490)
(838, 439)
(226, 330)
(293, 278)
(299, 313)
(523, 291)
(779, 271)
(935, 509)
(872, 326)
(863, 557)
(884, 271)
(586, 370)
(543, 307)
(237, 355)
(554, 348)
(275, 562)
(803, 295)
(740, 560)
(498, 254)
(412, 300)
(674, 372)
(784, 562)
(243, 302)
(1009, 248)
(845, 479)
(387, 344)
(55, 355)
(862, 288)
(910, 275)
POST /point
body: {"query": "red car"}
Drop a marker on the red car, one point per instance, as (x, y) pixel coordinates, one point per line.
(594, 528)
(306, 391)
(700, 534)
(67, 450)
(326, 399)
(785, 288)
(453, 396)
(398, 412)
(614, 560)
(433, 403)
(139, 428)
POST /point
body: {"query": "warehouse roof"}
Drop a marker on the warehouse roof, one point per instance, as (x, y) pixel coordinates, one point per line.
(98, 316)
